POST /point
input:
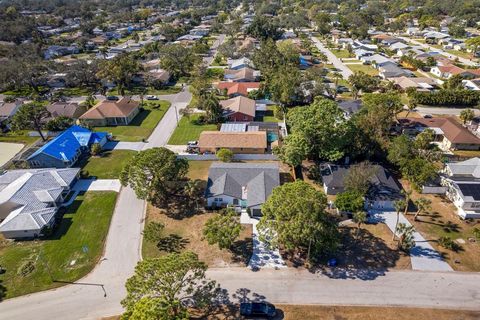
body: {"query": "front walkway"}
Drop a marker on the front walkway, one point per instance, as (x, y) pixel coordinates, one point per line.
(97, 185)
(422, 255)
(262, 256)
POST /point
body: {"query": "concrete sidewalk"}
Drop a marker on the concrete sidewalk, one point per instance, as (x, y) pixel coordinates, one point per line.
(422, 255)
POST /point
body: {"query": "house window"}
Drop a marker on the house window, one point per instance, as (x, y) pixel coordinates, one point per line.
(218, 199)
(35, 163)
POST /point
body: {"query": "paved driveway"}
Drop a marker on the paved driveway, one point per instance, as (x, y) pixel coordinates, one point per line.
(262, 256)
(422, 255)
(121, 145)
(97, 185)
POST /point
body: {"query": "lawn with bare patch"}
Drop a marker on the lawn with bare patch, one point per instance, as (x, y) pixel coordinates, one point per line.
(442, 220)
(185, 234)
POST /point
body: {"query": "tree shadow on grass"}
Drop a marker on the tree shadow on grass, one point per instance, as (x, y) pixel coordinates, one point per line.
(242, 250)
(181, 208)
(3, 290)
(366, 257)
(172, 243)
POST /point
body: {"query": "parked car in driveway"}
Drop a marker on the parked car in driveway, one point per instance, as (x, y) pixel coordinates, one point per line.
(257, 310)
(150, 97)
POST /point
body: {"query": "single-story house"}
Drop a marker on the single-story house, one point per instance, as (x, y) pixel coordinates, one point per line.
(359, 53)
(393, 71)
(377, 60)
(238, 109)
(450, 135)
(242, 185)
(238, 142)
(473, 84)
(272, 128)
(29, 199)
(398, 46)
(242, 75)
(350, 107)
(235, 89)
(435, 36)
(450, 70)
(383, 191)
(237, 64)
(8, 109)
(71, 110)
(108, 113)
(65, 149)
(462, 181)
(420, 83)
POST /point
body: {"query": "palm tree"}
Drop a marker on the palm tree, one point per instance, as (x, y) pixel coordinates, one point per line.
(407, 194)
(103, 50)
(411, 105)
(336, 77)
(405, 239)
(423, 204)
(399, 206)
(89, 101)
(359, 218)
(192, 190)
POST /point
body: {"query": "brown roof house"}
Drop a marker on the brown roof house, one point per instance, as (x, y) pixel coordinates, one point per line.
(239, 109)
(8, 109)
(449, 134)
(71, 110)
(112, 113)
(238, 142)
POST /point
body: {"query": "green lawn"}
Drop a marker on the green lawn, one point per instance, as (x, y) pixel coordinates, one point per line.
(18, 137)
(363, 68)
(108, 165)
(142, 126)
(340, 53)
(198, 169)
(269, 117)
(461, 54)
(76, 91)
(84, 225)
(189, 130)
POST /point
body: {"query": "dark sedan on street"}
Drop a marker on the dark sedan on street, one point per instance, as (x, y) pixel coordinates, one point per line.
(257, 310)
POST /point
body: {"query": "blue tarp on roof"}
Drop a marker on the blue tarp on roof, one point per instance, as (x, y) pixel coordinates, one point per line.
(66, 144)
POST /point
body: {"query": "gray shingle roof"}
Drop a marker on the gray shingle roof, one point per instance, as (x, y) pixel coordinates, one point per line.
(255, 180)
(382, 183)
(26, 196)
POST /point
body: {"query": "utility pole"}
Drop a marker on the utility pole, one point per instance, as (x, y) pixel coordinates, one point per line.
(176, 113)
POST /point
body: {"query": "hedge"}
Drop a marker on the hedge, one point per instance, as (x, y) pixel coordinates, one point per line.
(447, 97)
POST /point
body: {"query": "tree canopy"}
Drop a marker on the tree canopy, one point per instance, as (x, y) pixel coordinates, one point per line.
(164, 287)
(313, 135)
(294, 217)
(154, 174)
